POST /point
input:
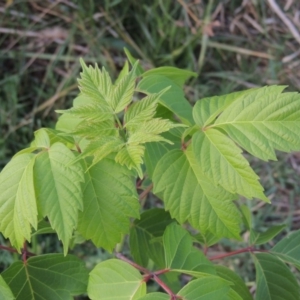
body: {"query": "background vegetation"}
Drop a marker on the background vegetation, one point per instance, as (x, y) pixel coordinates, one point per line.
(231, 44)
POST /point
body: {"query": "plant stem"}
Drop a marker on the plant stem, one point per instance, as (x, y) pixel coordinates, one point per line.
(243, 250)
(146, 191)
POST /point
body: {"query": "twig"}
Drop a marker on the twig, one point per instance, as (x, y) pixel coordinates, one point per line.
(146, 191)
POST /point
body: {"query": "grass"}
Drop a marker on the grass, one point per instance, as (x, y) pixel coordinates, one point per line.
(232, 45)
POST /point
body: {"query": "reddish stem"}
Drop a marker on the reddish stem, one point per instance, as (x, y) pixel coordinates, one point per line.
(24, 253)
(165, 288)
(247, 249)
(12, 250)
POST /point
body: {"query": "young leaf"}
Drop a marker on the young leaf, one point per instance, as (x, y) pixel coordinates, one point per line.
(5, 291)
(179, 76)
(274, 279)
(238, 285)
(208, 239)
(264, 120)
(189, 195)
(122, 93)
(222, 161)
(181, 256)
(288, 249)
(246, 216)
(107, 210)
(18, 208)
(206, 288)
(152, 224)
(173, 99)
(114, 279)
(257, 238)
(95, 84)
(50, 276)
(58, 189)
(131, 156)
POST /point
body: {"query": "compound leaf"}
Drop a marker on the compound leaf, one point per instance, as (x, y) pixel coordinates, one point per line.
(206, 288)
(50, 276)
(181, 256)
(189, 195)
(58, 189)
(107, 208)
(151, 224)
(222, 161)
(18, 208)
(274, 280)
(288, 249)
(114, 279)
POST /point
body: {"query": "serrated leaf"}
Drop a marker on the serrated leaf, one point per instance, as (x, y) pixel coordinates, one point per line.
(5, 291)
(179, 76)
(58, 189)
(258, 238)
(101, 148)
(122, 93)
(131, 156)
(173, 99)
(151, 224)
(206, 288)
(41, 139)
(132, 61)
(288, 249)
(123, 73)
(107, 210)
(115, 280)
(238, 285)
(264, 120)
(143, 110)
(95, 84)
(155, 296)
(274, 280)
(206, 110)
(50, 276)
(221, 160)
(18, 208)
(150, 131)
(181, 256)
(189, 195)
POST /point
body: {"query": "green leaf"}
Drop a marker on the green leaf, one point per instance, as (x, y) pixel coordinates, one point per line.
(122, 93)
(263, 121)
(131, 156)
(5, 291)
(101, 148)
(110, 199)
(257, 238)
(274, 280)
(189, 195)
(152, 224)
(181, 256)
(41, 139)
(58, 189)
(246, 216)
(179, 76)
(114, 279)
(49, 276)
(208, 239)
(288, 249)
(206, 110)
(173, 99)
(221, 160)
(156, 296)
(18, 208)
(143, 110)
(123, 73)
(44, 227)
(95, 84)
(206, 288)
(132, 61)
(238, 284)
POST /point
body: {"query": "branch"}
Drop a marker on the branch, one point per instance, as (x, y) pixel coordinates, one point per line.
(250, 249)
(146, 191)
(13, 250)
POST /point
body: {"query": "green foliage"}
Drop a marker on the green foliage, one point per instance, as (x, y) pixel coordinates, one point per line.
(80, 181)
